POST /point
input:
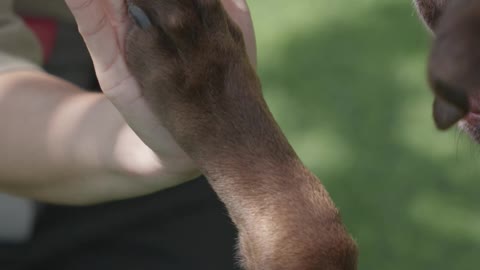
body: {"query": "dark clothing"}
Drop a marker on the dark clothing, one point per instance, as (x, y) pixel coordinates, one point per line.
(185, 227)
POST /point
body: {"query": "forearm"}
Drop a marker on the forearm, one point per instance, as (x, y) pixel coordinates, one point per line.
(61, 144)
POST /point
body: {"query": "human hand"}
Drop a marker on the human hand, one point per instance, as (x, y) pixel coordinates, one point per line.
(104, 26)
(194, 58)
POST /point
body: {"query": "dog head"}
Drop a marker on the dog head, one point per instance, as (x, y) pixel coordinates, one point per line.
(454, 60)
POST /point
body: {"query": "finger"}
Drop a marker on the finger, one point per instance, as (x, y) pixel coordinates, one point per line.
(101, 40)
(93, 24)
(239, 12)
(117, 12)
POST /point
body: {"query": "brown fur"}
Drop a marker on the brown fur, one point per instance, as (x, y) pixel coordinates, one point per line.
(194, 72)
(430, 10)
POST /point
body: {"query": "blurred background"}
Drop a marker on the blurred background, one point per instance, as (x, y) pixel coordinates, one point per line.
(346, 81)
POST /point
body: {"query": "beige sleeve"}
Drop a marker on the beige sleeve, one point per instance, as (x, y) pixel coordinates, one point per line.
(19, 48)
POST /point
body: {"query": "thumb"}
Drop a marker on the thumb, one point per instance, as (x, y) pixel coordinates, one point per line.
(240, 14)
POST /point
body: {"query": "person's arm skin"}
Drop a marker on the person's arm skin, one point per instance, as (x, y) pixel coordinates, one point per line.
(63, 145)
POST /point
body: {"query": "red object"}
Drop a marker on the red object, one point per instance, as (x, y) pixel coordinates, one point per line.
(46, 31)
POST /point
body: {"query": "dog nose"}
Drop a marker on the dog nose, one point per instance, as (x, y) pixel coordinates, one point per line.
(455, 62)
(450, 105)
(446, 114)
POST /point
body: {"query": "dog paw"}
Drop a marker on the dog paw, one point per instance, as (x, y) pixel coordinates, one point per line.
(190, 60)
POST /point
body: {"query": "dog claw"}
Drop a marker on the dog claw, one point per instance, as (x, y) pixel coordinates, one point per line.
(139, 16)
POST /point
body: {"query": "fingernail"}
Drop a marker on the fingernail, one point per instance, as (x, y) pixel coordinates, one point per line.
(241, 4)
(139, 16)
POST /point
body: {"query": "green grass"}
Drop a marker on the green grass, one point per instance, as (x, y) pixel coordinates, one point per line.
(346, 81)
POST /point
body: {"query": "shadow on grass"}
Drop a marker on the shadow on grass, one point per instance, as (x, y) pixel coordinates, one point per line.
(406, 209)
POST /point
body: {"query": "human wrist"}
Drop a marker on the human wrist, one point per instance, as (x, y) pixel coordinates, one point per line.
(131, 156)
